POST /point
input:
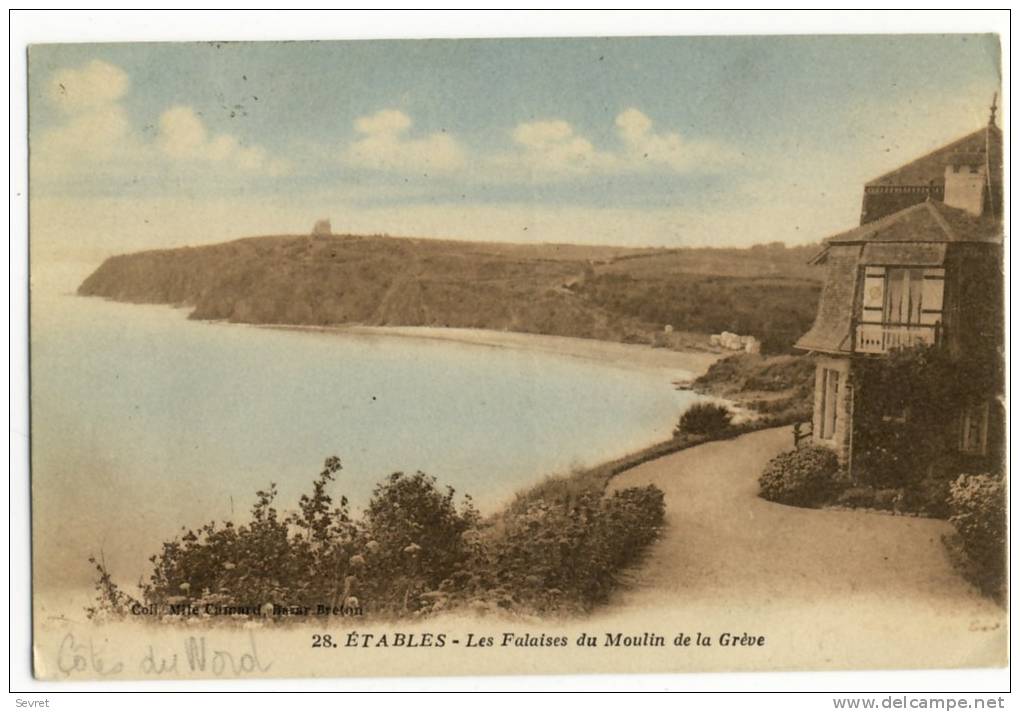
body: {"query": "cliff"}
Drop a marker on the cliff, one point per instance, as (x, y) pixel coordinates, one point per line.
(609, 293)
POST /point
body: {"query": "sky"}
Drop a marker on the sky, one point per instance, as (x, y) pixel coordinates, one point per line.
(646, 141)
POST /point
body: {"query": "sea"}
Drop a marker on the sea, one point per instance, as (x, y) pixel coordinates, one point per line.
(144, 422)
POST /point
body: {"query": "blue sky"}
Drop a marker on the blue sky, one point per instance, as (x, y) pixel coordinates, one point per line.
(664, 141)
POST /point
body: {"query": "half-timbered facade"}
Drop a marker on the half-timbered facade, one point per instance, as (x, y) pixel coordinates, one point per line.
(923, 268)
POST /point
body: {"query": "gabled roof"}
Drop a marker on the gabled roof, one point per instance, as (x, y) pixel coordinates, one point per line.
(930, 169)
(929, 221)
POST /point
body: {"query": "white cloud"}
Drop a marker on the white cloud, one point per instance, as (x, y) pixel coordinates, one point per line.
(555, 149)
(387, 121)
(642, 145)
(541, 150)
(633, 125)
(95, 85)
(93, 125)
(181, 133)
(94, 135)
(183, 136)
(100, 134)
(384, 145)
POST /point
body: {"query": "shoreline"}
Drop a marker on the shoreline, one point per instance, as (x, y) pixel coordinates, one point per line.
(618, 354)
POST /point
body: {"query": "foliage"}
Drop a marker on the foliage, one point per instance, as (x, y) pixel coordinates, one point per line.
(110, 600)
(301, 559)
(704, 419)
(928, 497)
(906, 406)
(857, 497)
(781, 373)
(889, 499)
(804, 477)
(417, 534)
(977, 504)
(781, 386)
(413, 551)
(609, 293)
(563, 555)
(778, 311)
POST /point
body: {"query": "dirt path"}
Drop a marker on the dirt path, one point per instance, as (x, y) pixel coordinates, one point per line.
(831, 583)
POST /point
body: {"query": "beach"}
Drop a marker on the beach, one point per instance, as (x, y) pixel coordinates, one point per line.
(631, 356)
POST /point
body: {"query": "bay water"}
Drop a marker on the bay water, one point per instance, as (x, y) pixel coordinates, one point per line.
(144, 421)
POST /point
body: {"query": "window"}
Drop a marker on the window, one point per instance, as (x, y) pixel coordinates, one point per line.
(974, 429)
(902, 295)
(830, 394)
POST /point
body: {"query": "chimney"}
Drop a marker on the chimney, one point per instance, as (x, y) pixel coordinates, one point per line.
(966, 177)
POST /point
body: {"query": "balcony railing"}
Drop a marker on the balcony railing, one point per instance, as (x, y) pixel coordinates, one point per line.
(885, 337)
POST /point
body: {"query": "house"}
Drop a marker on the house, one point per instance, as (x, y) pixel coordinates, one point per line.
(924, 267)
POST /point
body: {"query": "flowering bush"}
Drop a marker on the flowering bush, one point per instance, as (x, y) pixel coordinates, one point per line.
(412, 552)
(977, 505)
(417, 534)
(805, 477)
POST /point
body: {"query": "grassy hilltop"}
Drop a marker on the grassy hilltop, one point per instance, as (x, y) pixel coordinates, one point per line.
(610, 293)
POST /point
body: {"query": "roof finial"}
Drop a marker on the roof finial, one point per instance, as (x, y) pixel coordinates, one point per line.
(991, 116)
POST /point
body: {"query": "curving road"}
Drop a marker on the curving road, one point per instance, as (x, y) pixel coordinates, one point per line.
(832, 588)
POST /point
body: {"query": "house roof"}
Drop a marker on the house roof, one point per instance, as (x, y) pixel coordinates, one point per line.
(831, 329)
(930, 221)
(918, 235)
(930, 169)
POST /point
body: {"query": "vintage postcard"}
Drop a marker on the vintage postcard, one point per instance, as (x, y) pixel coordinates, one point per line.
(517, 356)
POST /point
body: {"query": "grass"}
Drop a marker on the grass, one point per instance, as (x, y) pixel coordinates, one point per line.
(583, 480)
(781, 387)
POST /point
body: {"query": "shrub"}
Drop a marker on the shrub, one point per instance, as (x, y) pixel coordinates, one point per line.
(704, 419)
(977, 504)
(857, 497)
(411, 510)
(888, 498)
(929, 497)
(804, 477)
(412, 552)
(781, 373)
(565, 554)
(926, 497)
(417, 540)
